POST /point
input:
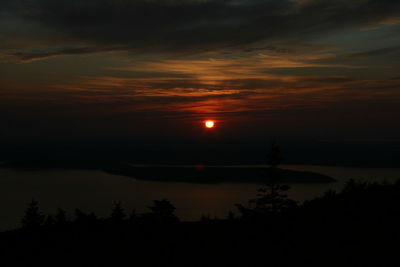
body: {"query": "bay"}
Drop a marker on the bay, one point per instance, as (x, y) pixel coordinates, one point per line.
(96, 191)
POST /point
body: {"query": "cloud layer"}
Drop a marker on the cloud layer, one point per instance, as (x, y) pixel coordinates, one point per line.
(321, 62)
(181, 26)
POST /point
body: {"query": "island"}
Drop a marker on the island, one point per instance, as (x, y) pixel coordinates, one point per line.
(213, 174)
(209, 174)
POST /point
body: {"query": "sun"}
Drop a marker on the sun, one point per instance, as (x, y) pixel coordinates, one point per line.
(209, 124)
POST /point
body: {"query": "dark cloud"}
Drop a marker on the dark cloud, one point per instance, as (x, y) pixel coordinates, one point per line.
(380, 52)
(194, 26)
(27, 56)
(376, 52)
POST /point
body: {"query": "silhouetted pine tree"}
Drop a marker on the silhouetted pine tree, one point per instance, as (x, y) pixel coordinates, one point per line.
(205, 218)
(118, 213)
(271, 197)
(49, 221)
(84, 219)
(33, 218)
(163, 210)
(133, 216)
(61, 217)
(231, 216)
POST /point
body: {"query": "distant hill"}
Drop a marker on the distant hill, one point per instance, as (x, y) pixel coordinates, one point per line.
(178, 173)
(213, 174)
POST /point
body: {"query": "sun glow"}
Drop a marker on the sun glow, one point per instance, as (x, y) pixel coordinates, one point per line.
(209, 124)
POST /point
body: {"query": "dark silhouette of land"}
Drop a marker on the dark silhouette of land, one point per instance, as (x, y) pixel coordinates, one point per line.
(358, 226)
(213, 174)
(178, 173)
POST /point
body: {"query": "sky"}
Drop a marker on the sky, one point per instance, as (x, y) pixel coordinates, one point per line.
(149, 72)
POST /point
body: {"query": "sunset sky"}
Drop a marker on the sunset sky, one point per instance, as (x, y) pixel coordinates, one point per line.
(152, 71)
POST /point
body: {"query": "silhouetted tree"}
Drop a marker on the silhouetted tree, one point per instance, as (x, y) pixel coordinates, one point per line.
(133, 216)
(49, 221)
(61, 217)
(163, 210)
(118, 213)
(205, 218)
(33, 218)
(84, 218)
(231, 216)
(271, 197)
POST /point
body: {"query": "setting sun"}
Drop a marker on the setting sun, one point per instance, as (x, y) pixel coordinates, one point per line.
(209, 124)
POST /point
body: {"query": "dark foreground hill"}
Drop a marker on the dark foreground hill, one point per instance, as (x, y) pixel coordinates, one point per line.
(356, 227)
(284, 241)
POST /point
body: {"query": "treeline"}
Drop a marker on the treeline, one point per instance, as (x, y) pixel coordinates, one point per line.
(358, 199)
(358, 226)
(162, 211)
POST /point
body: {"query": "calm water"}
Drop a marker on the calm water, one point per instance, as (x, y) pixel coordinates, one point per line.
(92, 190)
